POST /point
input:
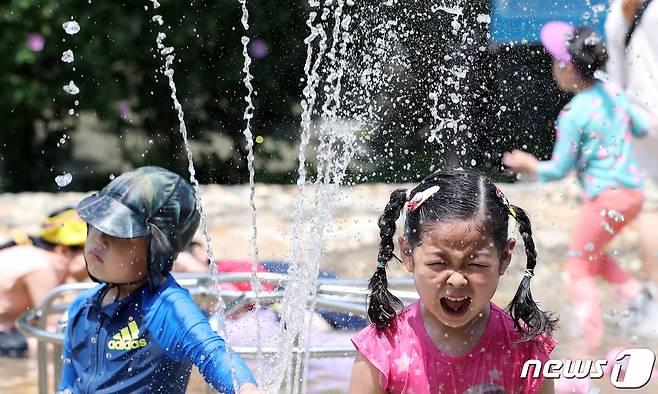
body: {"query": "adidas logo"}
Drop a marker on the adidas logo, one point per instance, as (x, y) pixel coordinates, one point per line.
(127, 338)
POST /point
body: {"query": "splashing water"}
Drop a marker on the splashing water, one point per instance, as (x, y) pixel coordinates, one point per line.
(256, 285)
(67, 56)
(64, 179)
(289, 333)
(484, 18)
(71, 88)
(167, 53)
(336, 147)
(71, 27)
(616, 215)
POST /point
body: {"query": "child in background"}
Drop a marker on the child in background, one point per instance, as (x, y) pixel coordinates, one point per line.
(34, 265)
(594, 133)
(139, 331)
(454, 339)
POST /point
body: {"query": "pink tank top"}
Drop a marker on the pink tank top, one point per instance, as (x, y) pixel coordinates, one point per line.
(409, 362)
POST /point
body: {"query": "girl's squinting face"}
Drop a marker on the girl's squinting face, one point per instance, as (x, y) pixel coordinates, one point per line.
(115, 260)
(456, 269)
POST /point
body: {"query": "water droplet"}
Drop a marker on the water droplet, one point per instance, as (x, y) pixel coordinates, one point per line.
(598, 8)
(484, 18)
(616, 216)
(71, 27)
(473, 162)
(592, 39)
(108, 355)
(589, 247)
(633, 339)
(202, 358)
(64, 179)
(157, 19)
(112, 176)
(67, 56)
(71, 88)
(67, 361)
(130, 318)
(93, 339)
(71, 111)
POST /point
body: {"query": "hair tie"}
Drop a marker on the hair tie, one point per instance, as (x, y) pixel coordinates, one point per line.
(512, 211)
(529, 273)
(420, 197)
(505, 201)
(381, 264)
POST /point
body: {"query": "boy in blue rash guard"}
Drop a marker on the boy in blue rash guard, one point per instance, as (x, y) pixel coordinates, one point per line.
(139, 331)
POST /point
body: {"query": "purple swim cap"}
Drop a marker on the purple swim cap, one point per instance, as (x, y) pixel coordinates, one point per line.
(554, 36)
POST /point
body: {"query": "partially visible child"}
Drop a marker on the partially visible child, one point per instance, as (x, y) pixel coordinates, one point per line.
(32, 266)
(139, 331)
(454, 339)
(593, 136)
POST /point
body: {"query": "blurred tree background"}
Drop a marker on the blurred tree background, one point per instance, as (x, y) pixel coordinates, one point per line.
(123, 116)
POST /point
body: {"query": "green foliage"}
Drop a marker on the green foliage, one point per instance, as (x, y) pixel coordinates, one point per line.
(119, 72)
(117, 68)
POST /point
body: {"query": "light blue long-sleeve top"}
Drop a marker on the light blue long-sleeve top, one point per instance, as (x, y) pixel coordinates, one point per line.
(593, 135)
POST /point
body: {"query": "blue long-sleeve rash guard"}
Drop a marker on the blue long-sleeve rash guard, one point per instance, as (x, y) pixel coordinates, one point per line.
(145, 343)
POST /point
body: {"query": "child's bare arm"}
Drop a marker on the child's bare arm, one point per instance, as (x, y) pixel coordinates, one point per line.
(365, 377)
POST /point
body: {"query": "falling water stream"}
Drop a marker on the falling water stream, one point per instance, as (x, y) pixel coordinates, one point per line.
(256, 285)
(168, 54)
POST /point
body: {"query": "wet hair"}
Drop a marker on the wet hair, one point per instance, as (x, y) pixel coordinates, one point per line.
(462, 195)
(588, 51)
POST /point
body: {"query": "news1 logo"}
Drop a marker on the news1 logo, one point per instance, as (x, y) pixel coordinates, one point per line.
(631, 369)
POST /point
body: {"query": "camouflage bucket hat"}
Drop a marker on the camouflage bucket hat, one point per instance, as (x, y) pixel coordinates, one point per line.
(146, 201)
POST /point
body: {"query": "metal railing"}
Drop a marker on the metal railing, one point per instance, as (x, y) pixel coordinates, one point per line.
(334, 295)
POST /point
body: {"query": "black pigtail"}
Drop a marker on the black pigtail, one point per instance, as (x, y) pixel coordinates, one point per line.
(382, 304)
(523, 307)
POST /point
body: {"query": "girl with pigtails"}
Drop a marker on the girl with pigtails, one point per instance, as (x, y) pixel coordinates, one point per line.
(453, 339)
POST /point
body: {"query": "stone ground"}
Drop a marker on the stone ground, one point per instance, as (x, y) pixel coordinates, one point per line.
(351, 243)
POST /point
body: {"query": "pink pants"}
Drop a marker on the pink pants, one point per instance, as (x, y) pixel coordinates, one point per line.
(599, 220)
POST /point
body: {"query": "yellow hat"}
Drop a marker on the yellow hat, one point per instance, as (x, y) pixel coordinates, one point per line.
(64, 228)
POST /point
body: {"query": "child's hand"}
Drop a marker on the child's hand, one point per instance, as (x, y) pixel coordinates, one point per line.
(520, 162)
(250, 388)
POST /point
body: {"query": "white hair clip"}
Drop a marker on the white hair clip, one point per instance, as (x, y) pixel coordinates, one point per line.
(420, 197)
